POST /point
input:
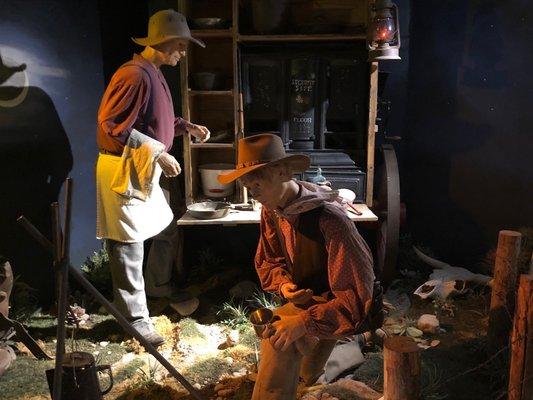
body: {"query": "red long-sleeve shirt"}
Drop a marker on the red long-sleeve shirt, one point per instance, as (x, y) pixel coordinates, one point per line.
(137, 97)
(350, 271)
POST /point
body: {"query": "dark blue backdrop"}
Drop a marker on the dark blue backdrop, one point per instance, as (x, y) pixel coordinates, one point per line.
(52, 131)
(461, 100)
(468, 148)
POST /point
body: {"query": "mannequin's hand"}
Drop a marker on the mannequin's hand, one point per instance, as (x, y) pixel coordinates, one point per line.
(169, 165)
(294, 295)
(200, 132)
(286, 331)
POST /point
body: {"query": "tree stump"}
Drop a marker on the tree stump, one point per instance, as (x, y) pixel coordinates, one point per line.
(521, 372)
(402, 369)
(503, 296)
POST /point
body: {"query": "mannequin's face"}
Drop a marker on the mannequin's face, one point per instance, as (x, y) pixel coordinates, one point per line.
(268, 185)
(172, 51)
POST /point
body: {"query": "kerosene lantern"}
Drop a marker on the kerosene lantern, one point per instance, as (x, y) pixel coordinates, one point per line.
(383, 32)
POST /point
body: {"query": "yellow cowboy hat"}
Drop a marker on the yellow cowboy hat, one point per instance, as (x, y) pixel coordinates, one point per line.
(166, 25)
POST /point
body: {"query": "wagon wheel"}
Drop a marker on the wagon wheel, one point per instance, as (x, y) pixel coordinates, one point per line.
(387, 208)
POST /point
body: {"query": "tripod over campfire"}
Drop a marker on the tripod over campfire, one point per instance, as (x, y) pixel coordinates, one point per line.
(59, 247)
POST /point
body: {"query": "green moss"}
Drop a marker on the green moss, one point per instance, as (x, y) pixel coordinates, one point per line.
(42, 321)
(208, 369)
(189, 329)
(129, 371)
(25, 376)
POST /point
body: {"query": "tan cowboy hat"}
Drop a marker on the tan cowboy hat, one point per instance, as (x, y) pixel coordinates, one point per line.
(166, 25)
(259, 151)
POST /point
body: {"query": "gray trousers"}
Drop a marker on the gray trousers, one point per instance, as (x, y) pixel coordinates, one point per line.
(126, 264)
(160, 262)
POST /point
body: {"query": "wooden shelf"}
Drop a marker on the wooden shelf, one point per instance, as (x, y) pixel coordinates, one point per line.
(212, 33)
(210, 92)
(302, 38)
(221, 110)
(212, 145)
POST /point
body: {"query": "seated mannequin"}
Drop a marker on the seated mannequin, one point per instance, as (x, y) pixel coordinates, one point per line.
(310, 254)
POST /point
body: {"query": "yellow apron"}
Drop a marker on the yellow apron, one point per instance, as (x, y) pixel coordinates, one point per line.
(128, 219)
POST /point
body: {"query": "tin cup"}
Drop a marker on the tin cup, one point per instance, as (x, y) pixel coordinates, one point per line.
(261, 320)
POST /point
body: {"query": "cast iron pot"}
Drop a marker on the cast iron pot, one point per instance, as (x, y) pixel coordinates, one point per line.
(208, 80)
(209, 209)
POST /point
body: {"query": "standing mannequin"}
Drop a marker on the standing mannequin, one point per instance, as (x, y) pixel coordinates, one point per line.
(136, 123)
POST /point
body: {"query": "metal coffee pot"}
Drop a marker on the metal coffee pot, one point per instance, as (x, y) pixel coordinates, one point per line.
(80, 379)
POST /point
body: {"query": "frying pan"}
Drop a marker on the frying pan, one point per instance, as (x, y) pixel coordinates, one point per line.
(209, 209)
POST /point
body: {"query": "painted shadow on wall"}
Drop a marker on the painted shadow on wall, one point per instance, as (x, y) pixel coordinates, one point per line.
(35, 159)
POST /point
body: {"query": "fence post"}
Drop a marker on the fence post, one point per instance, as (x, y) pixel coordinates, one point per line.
(521, 371)
(503, 296)
(402, 369)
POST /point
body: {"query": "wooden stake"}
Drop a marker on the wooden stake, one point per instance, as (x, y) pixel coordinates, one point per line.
(521, 372)
(402, 369)
(504, 290)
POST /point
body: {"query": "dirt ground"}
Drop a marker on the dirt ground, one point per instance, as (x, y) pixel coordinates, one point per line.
(457, 367)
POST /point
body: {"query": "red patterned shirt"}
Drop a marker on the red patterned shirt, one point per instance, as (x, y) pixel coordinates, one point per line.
(350, 271)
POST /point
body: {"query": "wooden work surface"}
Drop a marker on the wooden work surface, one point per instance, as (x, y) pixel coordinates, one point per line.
(235, 217)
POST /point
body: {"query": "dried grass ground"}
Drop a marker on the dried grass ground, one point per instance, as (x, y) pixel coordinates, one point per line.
(456, 369)
(193, 349)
